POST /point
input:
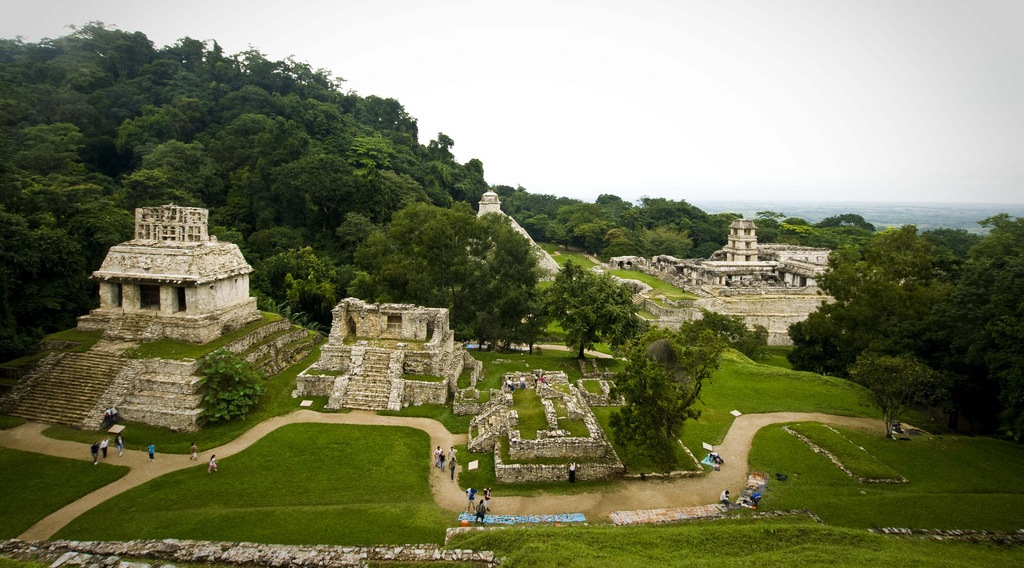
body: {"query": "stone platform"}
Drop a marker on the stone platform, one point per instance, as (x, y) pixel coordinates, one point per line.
(646, 516)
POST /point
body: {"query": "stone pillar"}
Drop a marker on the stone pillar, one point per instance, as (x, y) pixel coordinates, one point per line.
(130, 297)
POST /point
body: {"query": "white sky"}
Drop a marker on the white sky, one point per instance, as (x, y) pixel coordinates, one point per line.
(854, 100)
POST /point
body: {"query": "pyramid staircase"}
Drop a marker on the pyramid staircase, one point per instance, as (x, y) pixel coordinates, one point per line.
(66, 387)
(374, 382)
(74, 388)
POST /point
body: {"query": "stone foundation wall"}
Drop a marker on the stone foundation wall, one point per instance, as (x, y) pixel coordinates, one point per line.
(525, 473)
(313, 385)
(416, 393)
(72, 553)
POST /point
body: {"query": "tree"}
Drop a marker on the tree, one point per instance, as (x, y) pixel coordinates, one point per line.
(731, 329)
(882, 294)
(895, 383)
(232, 386)
(984, 322)
(661, 383)
(591, 307)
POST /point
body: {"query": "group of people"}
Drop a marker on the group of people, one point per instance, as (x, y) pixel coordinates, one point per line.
(110, 417)
(483, 507)
(101, 446)
(451, 459)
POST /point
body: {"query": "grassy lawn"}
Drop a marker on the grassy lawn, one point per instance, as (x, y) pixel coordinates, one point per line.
(8, 422)
(171, 349)
(276, 400)
(35, 485)
(303, 483)
(660, 286)
(955, 482)
(776, 356)
(750, 387)
(791, 541)
(531, 413)
(852, 456)
(497, 364)
(441, 413)
(561, 255)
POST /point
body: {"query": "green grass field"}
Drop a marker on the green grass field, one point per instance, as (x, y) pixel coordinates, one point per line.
(660, 286)
(789, 541)
(954, 482)
(303, 483)
(35, 485)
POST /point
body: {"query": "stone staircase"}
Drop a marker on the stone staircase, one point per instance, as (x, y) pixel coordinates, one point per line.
(131, 327)
(371, 383)
(489, 426)
(66, 388)
(74, 388)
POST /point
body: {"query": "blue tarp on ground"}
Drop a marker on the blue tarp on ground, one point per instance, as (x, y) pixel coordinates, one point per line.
(513, 519)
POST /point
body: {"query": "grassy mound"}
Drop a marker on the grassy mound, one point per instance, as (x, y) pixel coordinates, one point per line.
(790, 541)
(303, 483)
(35, 485)
(954, 482)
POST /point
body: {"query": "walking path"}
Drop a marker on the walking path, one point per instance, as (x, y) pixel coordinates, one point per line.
(629, 495)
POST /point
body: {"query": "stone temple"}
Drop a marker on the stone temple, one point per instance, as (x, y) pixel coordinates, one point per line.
(172, 281)
(491, 204)
(773, 285)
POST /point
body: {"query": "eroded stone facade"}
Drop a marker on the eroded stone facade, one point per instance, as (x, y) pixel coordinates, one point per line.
(373, 348)
(773, 285)
(172, 281)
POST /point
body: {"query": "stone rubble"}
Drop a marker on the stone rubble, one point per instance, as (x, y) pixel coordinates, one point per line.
(159, 553)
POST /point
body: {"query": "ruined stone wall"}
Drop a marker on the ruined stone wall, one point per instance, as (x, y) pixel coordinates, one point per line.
(416, 393)
(526, 473)
(200, 552)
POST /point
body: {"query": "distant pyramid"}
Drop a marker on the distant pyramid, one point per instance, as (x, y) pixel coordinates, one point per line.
(490, 203)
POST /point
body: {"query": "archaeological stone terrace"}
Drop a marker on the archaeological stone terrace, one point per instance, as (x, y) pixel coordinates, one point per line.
(773, 285)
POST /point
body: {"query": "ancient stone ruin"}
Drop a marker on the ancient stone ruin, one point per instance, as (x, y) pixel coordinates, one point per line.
(491, 204)
(172, 281)
(385, 356)
(773, 285)
(496, 429)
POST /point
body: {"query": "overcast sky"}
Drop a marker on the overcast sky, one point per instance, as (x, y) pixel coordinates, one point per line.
(873, 100)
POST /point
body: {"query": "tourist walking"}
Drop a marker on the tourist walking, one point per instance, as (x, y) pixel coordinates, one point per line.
(120, 444)
(440, 457)
(195, 453)
(103, 447)
(471, 494)
(213, 464)
(452, 461)
(152, 452)
(95, 450)
(487, 498)
(572, 472)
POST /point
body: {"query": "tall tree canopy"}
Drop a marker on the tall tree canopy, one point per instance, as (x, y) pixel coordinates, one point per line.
(662, 381)
(591, 307)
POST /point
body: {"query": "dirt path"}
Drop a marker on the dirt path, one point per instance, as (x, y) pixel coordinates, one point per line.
(631, 495)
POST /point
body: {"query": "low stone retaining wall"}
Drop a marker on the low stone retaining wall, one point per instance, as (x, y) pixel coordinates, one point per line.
(523, 473)
(835, 461)
(75, 553)
(996, 537)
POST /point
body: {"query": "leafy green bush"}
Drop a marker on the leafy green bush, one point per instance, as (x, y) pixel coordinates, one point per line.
(232, 386)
